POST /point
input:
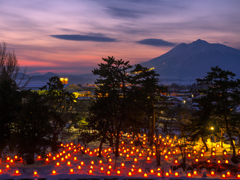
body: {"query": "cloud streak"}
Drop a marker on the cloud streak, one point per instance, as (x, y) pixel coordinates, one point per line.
(75, 37)
(155, 42)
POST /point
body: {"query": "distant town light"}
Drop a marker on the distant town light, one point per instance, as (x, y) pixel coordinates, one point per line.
(64, 80)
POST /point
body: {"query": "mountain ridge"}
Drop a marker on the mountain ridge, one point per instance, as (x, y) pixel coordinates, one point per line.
(194, 60)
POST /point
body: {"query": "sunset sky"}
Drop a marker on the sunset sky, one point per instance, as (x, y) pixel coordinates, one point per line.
(72, 36)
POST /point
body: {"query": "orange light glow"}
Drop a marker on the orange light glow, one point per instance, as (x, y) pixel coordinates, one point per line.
(139, 170)
(57, 164)
(145, 175)
(35, 173)
(90, 171)
(108, 172)
(54, 172)
(212, 172)
(167, 174)
(79, 167)
(129, 173)
(223, 175)
(7, 166)
(82, 163)
(176, 174)
(17, 172)
(71, 171)
(238, 175)
(118, 172)
(189, 174)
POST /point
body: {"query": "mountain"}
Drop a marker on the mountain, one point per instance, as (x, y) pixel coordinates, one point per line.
(190, 61)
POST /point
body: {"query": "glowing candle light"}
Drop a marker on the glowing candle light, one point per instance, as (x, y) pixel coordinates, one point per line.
(224, 152)
(69, 163)
(71, 171)
(152, 171)
(176, 174)
(109, 160)
(79, 167)
(167, 174)
(17, 172)
(54, 172)
(47, 160)
(11, 161)
(226, 161)
(228, 173)
(223, 175)
(15, 157)
(148, 158)
(129, 173)
(118, 172)
(158, 174)
(166, 157)
(7, 166)
(176, 161)
(122, 164)
(8, 159)
(238, 175)
(194, 172)
(140, 170)
(196, 160)
(57, 164)
(108, 172)
(189, 174)
(208, 160)
(82, 163)
(212, 172)
(219, 161)
(135, 160)
(90, 171)
(145, 175)
(35, 173)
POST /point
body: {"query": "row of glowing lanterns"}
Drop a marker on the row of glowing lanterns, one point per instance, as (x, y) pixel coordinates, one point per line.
(75, 149)
(134, 171)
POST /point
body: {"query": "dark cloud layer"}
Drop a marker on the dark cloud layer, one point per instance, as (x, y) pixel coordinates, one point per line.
(156, 42)
(74, 37)
(123, 13)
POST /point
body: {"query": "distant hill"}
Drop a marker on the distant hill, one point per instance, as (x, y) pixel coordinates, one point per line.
(186, 62)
